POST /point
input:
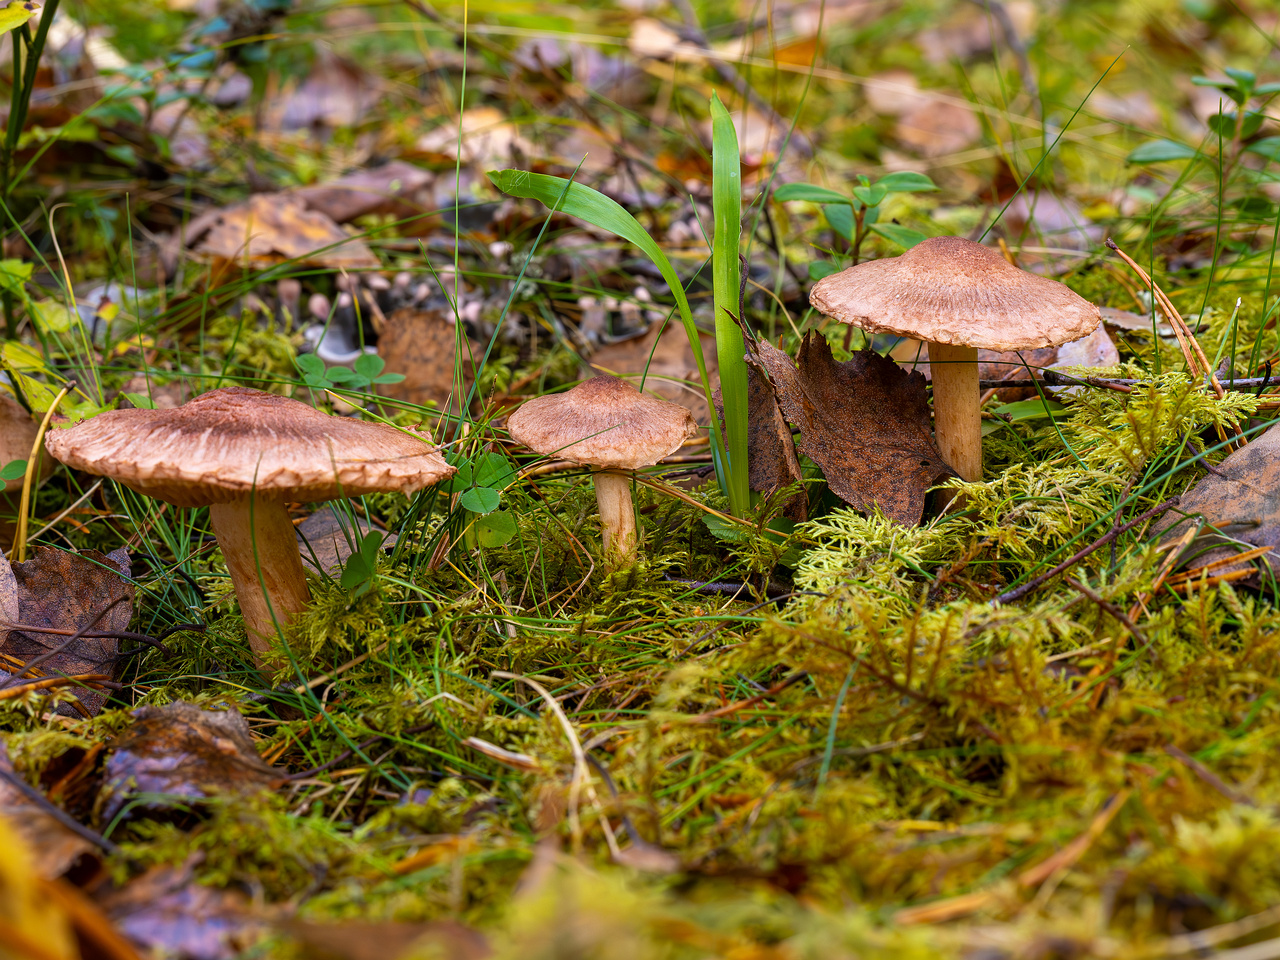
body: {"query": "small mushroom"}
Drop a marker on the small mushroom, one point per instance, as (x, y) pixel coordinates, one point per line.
(244, 454)
(608, 424)
(960, 297)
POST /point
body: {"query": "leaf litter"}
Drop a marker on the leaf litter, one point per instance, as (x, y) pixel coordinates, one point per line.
(863, 755)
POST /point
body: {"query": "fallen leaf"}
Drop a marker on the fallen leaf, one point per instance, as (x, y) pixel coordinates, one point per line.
(383, 189)
(388, 940)
(322, 540)
(651, 39)
(175, 124)
(1141, 323)
(272, 227)
(893, 92)
(865, 422)
(336, 93)
(69, 592)
(1051, 220)
(421, 345)
(183, 751)
(665, 354)
(968, 31)
(1240, 505)
(936, 128)
(489, 139)
(771, 451)
(54, 849)
(165, 912)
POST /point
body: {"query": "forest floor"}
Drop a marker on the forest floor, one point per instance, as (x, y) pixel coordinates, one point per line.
(1035, 722)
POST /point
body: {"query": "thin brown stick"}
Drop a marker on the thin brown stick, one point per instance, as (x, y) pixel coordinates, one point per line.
(1019, 592)
(49, 683)
(1208, 776)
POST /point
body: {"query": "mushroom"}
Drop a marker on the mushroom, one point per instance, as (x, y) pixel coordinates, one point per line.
(244, 454)
(608, 424)
(960, 297)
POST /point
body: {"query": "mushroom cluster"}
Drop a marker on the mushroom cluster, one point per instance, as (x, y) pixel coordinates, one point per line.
(608, 424)
(960, 297)
(244, 454)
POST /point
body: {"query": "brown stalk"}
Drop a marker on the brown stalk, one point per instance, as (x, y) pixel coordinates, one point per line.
(1180, 328)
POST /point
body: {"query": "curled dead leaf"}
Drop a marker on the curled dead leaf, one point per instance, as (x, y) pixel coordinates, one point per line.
(865, 422)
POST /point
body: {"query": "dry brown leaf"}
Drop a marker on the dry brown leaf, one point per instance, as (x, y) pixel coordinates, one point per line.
(936, 128)
(336, 93)
(771, 451)
(272, 227)
(382, 189)
(183, 751)
(672, 371)
(865, 422)
(71, 591)
(422, 344)
(165, 912)
(54, 849)
(1243, 506)
(489, 139)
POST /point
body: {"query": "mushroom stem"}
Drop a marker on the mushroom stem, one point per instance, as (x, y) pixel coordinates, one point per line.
(617, 517)
(255, 534)
(957, 415)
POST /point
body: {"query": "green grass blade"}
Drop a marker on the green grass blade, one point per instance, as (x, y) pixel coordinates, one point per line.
(726, 206)
(582, 202)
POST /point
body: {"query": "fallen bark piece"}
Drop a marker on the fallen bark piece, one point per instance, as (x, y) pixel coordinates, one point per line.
(422, 346)
(324, 544)
(865, 422)
(180, 750)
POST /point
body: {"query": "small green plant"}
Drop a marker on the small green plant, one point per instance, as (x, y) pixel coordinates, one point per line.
(361, 570)
(363, 374)
(480, 483)
(856, 216)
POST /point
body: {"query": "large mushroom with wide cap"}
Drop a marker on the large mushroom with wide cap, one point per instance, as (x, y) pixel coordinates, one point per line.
(244, 454)
(608, 424)
(960, 297)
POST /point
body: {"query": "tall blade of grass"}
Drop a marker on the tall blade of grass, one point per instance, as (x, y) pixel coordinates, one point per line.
(726, 277)
(579, 200)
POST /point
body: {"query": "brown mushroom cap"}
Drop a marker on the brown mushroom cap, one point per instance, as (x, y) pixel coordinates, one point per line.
(603, 422)
(231, 442)
(954, 291)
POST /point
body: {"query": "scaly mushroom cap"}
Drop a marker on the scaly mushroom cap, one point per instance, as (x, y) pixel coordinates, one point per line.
(954, 291)
(603, 422)
(228, 443)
